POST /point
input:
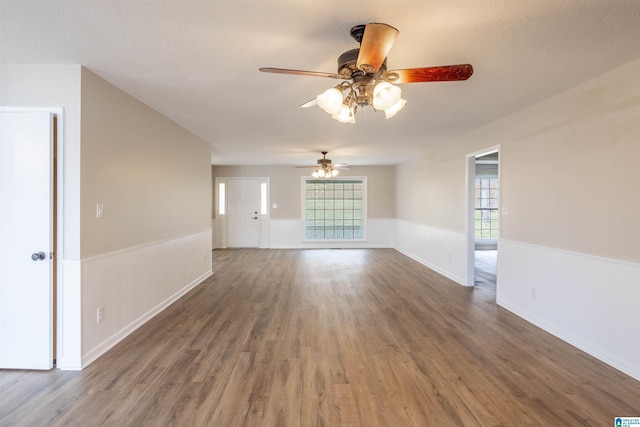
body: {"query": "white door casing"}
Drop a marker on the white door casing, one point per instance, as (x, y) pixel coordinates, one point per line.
(470, 239)
(26, 231)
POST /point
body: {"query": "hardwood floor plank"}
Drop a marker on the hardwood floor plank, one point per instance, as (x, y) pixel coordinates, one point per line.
(328, 338)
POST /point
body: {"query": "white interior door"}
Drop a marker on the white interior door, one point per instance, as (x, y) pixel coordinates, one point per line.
(243, 202)
(26, 240)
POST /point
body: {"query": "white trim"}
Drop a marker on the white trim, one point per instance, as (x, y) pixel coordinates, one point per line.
(621, 262)
(69, 354)
(143, 245)
(470, 239)
(469, 208)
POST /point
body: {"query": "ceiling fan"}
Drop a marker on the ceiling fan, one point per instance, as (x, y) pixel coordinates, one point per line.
(324, 168)
(365, 78)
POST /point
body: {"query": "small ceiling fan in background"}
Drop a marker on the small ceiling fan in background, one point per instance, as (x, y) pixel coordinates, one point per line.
(324, 168)
(365, 78)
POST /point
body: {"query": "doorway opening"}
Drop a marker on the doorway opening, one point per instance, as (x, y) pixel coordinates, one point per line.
(483, 218)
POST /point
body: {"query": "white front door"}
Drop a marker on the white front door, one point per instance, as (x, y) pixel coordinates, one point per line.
(26, 240)
(243, 199)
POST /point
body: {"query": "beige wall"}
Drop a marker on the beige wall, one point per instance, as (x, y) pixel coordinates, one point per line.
(569, 171)
(430, 190)
(151, 175)
(285, 184)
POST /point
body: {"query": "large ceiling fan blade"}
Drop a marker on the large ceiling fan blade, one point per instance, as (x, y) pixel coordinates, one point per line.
(376, 44)
(341, 166)
(443, 73)
(302, 73)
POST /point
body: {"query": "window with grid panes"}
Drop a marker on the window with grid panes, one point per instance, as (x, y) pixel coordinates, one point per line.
(486, 209)
(334, 209)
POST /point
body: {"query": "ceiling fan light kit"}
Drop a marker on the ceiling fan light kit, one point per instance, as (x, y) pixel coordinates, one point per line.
(366, 80)
(330, 100)
(327, 172)
(385, 95)
(346, 114)
(391, 111)
(324, 168)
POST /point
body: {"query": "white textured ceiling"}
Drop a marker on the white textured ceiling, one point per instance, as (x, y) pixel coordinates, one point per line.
(197, 63)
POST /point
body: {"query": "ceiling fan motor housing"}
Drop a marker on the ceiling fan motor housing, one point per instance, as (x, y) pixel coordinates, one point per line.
(357, 32)
(324, 161)
(347, 65)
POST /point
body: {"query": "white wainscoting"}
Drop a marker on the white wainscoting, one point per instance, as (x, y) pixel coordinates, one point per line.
(135, 284)
(441, 250)
(287, 234)
(591, 302)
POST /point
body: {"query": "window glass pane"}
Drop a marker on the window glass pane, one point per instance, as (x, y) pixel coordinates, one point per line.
(222, 198)
(263, 198)
(486, 205)
(334, 209)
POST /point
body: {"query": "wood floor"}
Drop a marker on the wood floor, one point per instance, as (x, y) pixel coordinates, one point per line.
(486, 266)
(328, 338)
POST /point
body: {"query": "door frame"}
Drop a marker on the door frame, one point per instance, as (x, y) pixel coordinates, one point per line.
(58, 181)
(470, 238)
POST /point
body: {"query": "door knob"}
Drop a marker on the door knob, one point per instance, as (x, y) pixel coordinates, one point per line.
(255, 217)
(38, 256)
